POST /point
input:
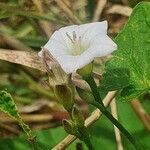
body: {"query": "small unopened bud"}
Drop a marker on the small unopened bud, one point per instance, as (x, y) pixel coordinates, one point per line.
(77, 117)
(65, 95)
(68, 126)
(86, 70)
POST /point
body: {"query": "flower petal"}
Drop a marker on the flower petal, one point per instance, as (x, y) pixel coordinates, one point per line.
(71, 64)
(92, 37)
(90, 30)
(56, 45)
(56, 38)
(102, 46)
(68, 63)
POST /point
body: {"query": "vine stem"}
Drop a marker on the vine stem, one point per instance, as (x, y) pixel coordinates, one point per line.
(83, 134)
(99, 104)
(86, 138)
(89, 121)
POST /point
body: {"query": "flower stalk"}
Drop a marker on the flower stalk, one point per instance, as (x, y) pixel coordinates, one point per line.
(76, 127)
(99, 104)
(86, 138)
(81, 131)
(65, 95)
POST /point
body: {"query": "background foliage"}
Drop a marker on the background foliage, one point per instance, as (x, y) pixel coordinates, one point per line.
(26, 25)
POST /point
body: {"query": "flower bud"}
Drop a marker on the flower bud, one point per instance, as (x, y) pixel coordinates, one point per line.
(68, 126)
(77, 117)
(65, 95)
(85, 95)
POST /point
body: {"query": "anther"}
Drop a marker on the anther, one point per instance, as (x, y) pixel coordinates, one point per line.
(69, 37)
(74, 36)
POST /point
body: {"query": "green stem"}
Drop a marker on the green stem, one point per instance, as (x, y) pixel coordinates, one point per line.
(85, 137)
(34, 145)
(83, 134)
(118, 125)
(99, 104)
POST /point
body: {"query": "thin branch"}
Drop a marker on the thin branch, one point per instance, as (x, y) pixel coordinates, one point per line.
(89, 121)
(141, 113)
(116, 130)
(99, 8)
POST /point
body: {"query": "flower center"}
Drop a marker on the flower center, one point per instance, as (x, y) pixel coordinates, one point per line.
(78, 47)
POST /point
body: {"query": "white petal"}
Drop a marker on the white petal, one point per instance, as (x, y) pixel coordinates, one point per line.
(56, 45)
(68, 63)
(71, 64)
(56, 39)
(102, 46)
(68, 29)
(90, 30)
(84, 59)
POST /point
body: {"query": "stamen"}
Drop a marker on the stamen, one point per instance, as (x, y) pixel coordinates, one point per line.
(74, 36)
(69, 37)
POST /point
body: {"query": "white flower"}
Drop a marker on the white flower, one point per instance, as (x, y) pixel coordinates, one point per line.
(77, 45)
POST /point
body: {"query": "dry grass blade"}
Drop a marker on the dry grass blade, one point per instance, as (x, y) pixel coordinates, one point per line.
(14, 43)
(116, 130)
(29, 59)
(99, 8)
(90, 120)
(120, 9)
(28, 118)
(141, 113)
(9, 128)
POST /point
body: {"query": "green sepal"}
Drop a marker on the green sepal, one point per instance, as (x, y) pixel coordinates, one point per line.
(77, 117)
(65, 95)
(69, 127)
(86, 70)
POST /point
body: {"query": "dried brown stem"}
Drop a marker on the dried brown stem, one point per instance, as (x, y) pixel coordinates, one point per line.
(99, 8)
(9, 128)
(14, 43)
(28, 118)
(90, 120)
(29, 59)
(116, 130)
(120, 9)
(141, 113)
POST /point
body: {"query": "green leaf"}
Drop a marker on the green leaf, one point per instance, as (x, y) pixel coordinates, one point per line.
(134, 52)
(115, 79)
(8, 106)
(32, 41)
